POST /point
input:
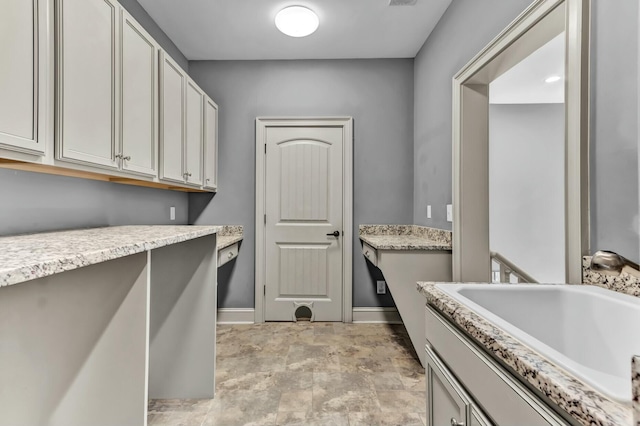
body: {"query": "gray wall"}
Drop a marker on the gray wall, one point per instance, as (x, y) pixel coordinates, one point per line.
(526, 187)
(141, 15)
(33, 202)
(466, 27)
(614, 136)
(378, 94)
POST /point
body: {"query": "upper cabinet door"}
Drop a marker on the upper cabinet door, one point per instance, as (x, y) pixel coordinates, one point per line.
(87, 74)
(172, 87)
(195, 134)
(210, 144)
(139, 66)
(20, 93)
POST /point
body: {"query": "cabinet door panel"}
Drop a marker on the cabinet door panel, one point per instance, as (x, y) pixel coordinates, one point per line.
(446, 401)
(210, 144)
(19, 48)
(139, 54)
(194, 137)
(87, 76)
(172, 87)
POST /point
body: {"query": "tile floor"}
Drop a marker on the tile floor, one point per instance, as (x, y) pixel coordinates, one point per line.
(307, 374)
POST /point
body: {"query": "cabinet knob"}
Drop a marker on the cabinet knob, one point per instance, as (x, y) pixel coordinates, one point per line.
(127, 158)
(186, 174)
(208, 180)
(366, 253)
(118, 155)
(454, 422)
(230, 255)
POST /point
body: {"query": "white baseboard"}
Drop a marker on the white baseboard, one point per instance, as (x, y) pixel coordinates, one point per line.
(376, 316)
(236, 316)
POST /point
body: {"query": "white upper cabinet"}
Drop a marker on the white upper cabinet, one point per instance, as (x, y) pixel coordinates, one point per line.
(172, 108)
(87, 78)
(23, 76)
(210, 144)
(139, 91)
(195, 134)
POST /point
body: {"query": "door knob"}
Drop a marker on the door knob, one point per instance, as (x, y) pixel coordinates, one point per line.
(334, 233)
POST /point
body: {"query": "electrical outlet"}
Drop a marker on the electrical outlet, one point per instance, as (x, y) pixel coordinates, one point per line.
(429, 211)
(449, 213)
(172, 213)
(382, 287)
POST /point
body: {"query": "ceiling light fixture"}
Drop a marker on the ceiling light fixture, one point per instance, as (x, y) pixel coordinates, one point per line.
(297, 21)
(553, 79)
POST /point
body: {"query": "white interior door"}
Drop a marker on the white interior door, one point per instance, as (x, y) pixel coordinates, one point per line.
(304, 207)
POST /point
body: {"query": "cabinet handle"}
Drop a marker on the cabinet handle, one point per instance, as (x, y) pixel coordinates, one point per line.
(208, 180)
(454, 422)
(186, 174)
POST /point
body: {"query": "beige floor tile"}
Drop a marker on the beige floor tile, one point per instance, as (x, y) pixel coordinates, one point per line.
(402, 401)
(423, 417)
(366, 365)
(384, 419)
(386, 381)
(324, 373)
(295, 401)
(293, 418)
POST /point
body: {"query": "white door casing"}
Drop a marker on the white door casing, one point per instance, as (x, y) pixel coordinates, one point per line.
(303, 193)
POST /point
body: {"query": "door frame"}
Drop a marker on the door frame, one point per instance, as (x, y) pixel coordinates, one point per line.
(471, 256)
(346, 123)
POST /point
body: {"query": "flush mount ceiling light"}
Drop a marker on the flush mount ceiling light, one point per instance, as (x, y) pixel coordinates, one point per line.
(553, 79)
(297, 21)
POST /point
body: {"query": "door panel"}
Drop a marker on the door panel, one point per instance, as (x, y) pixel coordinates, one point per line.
(210, 144)
(172, 87)
(304, 180)
(139, 103)
(194, 137)
(19, 46)
(87, 80)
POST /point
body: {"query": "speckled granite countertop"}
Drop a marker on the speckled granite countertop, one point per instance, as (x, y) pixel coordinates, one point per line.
(27, 257)
(228, 235)
(586, 405)
(405, 237)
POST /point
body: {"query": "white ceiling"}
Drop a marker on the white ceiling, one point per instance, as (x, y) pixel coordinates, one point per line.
(245, 29)
(525, 82)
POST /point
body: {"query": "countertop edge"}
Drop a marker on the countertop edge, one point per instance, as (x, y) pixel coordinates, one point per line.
(428, 245)
(65, 263)
(576, 398)
(228, 240)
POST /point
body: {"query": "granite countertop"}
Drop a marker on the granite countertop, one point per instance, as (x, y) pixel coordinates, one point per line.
(405, 237)
(229, 235)
(27, 257)
(587, 406)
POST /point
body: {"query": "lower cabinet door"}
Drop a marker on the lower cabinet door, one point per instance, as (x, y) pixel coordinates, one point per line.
(478, 418)
(446, 400)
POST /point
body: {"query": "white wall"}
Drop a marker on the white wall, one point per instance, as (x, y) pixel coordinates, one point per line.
(526, 187)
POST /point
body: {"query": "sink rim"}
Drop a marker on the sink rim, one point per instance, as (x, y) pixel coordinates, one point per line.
(551, 355)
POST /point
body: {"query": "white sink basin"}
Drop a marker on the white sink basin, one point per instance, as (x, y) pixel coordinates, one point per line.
(589, 331)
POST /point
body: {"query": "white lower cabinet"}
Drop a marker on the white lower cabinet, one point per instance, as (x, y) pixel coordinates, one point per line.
(447, 402)
(466, 387)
